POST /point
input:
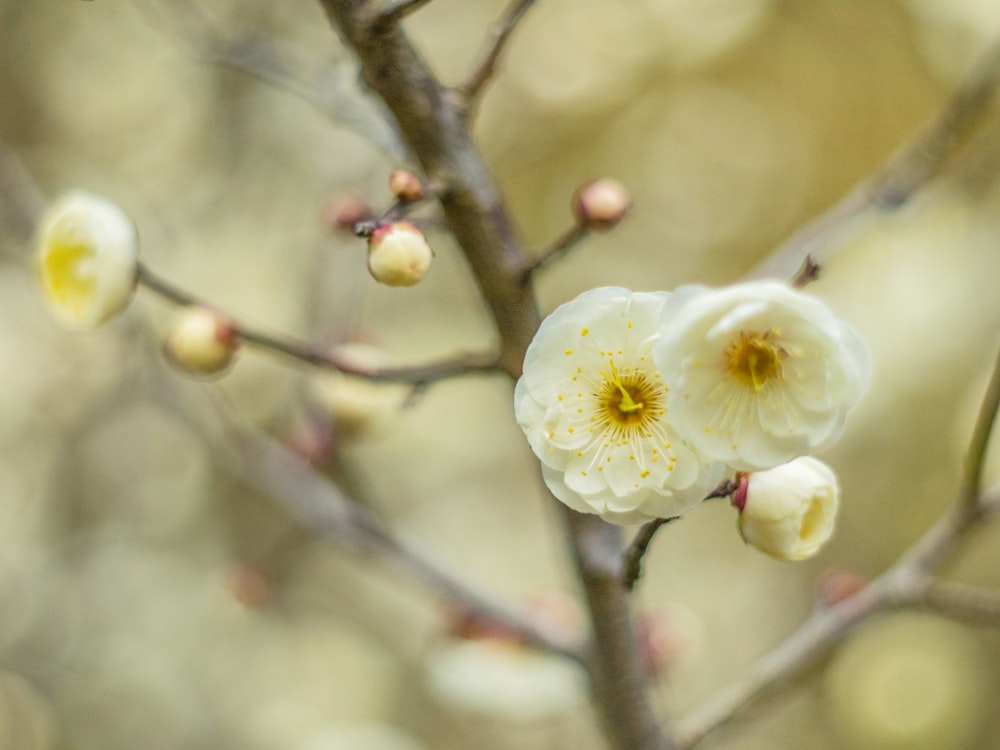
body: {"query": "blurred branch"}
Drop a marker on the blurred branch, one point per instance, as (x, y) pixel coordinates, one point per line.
(326, 87)
(908, 170)
(902, 583)
(322, 508)
(975, 457)
(396, 10)
(485, 68)
(419, 375)
(563, 244)
(960, 602)
(21, 201)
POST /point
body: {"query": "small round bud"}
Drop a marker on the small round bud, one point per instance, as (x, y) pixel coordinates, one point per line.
(398, 254)
(203, 341)
(405, 185)
(788, 512)
(87, 255)
(601, 204)
(344, 211)
(250, 585)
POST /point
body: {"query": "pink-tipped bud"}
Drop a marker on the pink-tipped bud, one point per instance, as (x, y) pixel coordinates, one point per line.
(600, 205)
(405, 185)
(203, 341)
(398, 254)
(344, 211)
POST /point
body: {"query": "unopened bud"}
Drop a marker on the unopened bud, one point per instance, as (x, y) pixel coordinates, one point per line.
(344, 211)
(203, 341)
(788, 512)
(398, 254)
(601, 204)
(356, 406)
(405, 185)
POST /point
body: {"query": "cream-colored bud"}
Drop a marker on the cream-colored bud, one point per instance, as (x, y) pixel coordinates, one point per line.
(602, 204)
(788, 512)
(356, 406)
(398, 254)
(405, 185)
(87, 255)
(203, 341)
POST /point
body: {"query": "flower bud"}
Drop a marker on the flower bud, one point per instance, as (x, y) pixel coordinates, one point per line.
(203, 341)
(344, 211)
(405, 185)
(601, 204)
(398, 254)
(788, 512)
(87, 254)
(356, 406)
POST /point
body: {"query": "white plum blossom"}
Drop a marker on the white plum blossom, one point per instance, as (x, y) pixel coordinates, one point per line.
(594, 408)
(788, 512)
(759, 373)
(87, 255)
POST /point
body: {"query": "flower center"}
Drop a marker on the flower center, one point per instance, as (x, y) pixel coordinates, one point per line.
(628, 398)
(755, 359)
(69, 273)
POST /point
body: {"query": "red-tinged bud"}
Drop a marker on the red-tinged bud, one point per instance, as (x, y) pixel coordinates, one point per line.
(600, 205)
(344, 211)
(203, 341)
(405, 185)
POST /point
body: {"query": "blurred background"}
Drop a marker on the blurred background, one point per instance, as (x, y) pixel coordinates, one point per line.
(151, 599)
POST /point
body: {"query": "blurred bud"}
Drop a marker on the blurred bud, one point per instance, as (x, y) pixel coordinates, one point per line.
(405, 185)
(789, 511)
(911, 682)
(398, 254)
(203, 341)
(834, 586)
(354, 405)
(87, 254)
(601, 204)
(249, 585)
(344, 211)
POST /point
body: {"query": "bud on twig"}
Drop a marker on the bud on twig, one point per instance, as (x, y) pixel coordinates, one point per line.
(398, 254)
(344, 211)
(405, 185)
(600, 205)
(203, 341)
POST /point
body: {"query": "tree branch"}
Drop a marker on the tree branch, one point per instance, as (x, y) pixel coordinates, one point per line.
(419, 375)
(960, 602)
(396, 10)
(972, 470)
(484, 69)
(563, 244)
(906, 171)
(637, 550)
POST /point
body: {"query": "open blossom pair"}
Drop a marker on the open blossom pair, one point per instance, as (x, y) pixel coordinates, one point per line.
(639, 403)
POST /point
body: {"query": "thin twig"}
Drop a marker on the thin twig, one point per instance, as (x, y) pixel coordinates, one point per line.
(417, 375)
(21, 201)
(973, 468)
(563, 244)
(807, 273)
(485, 67)
(900, 584)
(906, 171)
(960, 602)
(637, 549)
(328, 88)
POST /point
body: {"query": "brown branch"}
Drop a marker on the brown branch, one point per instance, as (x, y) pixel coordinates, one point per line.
(637, 549)
(972, 470)
(618, 680)
(395, 10)
(563, 244)
(418, 375)
(892, 186)
(485, 68)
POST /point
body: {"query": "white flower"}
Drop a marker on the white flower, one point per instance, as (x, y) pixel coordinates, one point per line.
(789, 511)
(759, 372)
(87, 253)
(594, 409)
(398, 254)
